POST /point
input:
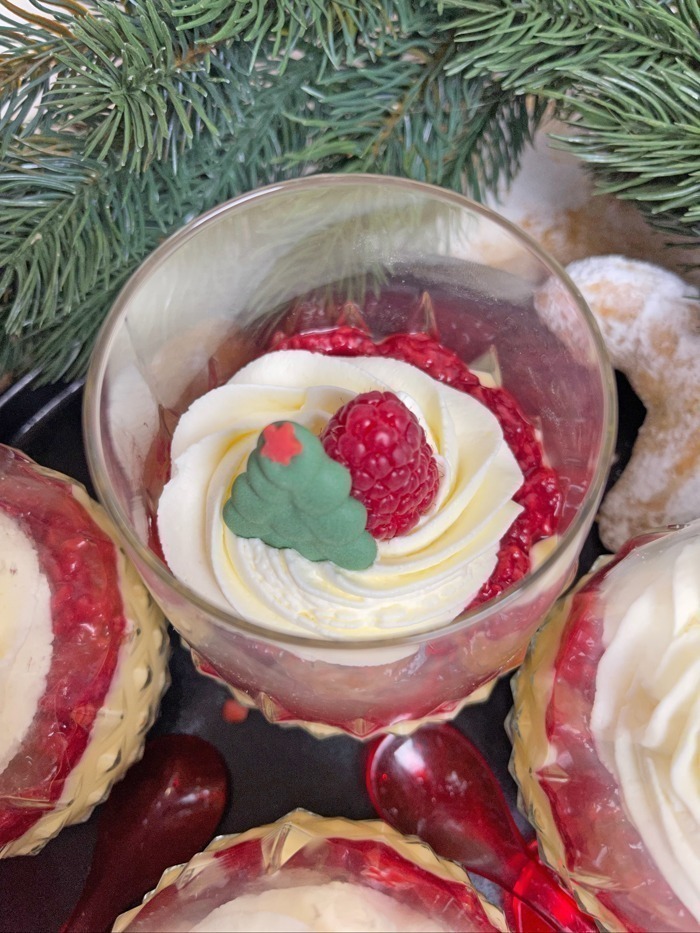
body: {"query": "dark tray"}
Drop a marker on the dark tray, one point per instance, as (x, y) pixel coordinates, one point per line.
(273, 769)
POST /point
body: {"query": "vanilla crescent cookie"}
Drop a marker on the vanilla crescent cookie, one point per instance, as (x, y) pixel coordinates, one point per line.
(650, 321)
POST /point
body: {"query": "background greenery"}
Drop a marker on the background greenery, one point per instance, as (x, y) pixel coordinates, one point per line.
(121, 121)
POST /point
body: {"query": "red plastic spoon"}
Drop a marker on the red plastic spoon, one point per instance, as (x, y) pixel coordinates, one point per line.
(436, 785)
(165, 810)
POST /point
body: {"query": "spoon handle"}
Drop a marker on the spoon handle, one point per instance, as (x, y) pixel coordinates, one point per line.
(164, 811)
(436, 785)
(538, 890)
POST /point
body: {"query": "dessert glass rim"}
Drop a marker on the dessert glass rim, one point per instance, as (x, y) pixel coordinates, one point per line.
(228, 620)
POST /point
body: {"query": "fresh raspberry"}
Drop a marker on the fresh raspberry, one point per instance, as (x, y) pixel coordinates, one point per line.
(394, 473)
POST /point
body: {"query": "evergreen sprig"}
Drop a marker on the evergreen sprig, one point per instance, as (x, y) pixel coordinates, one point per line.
(118, 122)
(623, 74)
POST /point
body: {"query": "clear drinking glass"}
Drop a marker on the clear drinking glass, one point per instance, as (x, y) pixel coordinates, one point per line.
(394, 256)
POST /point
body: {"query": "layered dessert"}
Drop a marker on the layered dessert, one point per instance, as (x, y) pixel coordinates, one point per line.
(305, 874)
(447, 476)
(353, 490)
(606, 731)
(333, 302)
(83, 655)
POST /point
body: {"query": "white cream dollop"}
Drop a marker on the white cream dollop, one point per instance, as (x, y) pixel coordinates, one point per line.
(26, 635)
(646, 713)
(419, 580)
(335, 907)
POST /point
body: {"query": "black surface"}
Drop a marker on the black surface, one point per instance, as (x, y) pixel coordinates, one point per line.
(273, 769)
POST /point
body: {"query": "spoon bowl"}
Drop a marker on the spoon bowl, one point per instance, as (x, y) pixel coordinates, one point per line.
(435, 784)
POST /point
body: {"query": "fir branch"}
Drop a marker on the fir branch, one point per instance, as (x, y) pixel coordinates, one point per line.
(77, 227)
(336, 26)
(49, 195)
(121, 121)
(60, 349)
(153, 123)
(130, 81)
(27, 69)
(400, 114)
(63, 240)
(624, 75)
(418, 122)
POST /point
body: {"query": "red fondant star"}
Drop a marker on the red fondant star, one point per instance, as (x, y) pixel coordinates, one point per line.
(281, 443)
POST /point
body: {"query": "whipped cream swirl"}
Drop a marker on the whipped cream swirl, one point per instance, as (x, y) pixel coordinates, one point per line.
(332, 907)
(419, 580)
(26, 636)
(646, 714)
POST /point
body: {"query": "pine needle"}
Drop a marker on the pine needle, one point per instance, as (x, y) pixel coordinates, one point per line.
(121, 121)
(624, 76)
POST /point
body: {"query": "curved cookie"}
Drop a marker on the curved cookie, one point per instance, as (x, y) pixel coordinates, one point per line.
(650, 321)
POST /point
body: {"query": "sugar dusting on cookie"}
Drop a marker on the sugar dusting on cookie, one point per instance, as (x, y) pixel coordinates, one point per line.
(650, 321)
(553, 198)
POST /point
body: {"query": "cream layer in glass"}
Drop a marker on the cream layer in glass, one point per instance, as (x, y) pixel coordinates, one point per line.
(418, 581)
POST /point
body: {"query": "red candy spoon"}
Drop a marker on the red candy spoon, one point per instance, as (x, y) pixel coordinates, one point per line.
(435, 784)
(165, 810)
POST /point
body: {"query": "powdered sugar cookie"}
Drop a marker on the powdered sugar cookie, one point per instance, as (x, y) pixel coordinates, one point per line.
(650, 320)
(553, 198)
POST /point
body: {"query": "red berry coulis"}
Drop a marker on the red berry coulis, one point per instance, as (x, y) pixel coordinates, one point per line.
(540, 494)
(78, 560)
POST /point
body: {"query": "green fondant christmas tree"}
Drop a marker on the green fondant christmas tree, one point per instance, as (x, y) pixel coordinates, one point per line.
(293, 495)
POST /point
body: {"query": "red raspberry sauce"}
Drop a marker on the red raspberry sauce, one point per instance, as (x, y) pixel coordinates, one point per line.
(540, 495)
(78, 560)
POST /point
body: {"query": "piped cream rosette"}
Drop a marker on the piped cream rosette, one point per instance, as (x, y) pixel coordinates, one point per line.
(419, 581)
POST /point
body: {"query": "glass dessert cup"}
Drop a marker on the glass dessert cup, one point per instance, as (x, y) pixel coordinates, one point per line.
(84, 655)
(380, 256)
(600, 738)
(402, 884)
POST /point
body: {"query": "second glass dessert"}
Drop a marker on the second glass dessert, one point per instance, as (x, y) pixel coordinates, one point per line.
(354, 431)
(606, 735)
(307, 873)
